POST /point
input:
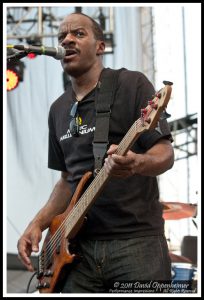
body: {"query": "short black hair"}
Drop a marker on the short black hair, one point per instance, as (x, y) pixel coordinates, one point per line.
(97, 30)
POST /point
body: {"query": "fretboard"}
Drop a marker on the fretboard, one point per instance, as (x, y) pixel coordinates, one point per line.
(96, 186)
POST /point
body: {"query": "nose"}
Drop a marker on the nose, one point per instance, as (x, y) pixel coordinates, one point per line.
(68, 39)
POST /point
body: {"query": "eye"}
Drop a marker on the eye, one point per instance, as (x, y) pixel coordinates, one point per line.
(79, 33)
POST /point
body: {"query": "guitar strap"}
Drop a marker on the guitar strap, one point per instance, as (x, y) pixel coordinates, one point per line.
(104, 100)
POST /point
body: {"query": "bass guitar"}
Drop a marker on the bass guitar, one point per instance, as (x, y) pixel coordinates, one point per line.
(55, 255)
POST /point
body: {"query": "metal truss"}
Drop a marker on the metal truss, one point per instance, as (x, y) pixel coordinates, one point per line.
(32, 24)
(147, 28)
(184, 132)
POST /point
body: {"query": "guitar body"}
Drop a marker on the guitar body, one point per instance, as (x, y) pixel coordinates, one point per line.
(55, 256)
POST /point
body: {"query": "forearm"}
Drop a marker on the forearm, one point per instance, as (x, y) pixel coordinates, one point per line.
(156, 161)
(31, 237)
(56, 204)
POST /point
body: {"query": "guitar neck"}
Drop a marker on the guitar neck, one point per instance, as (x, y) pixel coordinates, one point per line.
(92, 192)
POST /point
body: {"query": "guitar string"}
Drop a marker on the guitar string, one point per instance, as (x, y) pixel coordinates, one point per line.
(54, 239)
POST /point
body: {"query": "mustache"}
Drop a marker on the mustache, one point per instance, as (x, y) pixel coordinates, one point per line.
(72, 50)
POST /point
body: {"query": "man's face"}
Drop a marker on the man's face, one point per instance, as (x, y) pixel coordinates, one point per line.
(76, 35)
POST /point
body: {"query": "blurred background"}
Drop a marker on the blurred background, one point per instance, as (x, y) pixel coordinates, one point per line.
(164, 42)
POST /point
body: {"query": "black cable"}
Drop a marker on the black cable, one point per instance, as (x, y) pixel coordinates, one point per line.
(28, 286)
(195, 223)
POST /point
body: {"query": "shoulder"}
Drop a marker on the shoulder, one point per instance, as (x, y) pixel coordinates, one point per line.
(134, 83)
(130, 77)
(61, 102)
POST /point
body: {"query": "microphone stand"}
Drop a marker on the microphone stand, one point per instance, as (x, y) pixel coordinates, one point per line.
(16, 56)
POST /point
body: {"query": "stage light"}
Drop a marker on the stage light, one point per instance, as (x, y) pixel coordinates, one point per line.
(12, 80)
(14, 74)
(31, 55)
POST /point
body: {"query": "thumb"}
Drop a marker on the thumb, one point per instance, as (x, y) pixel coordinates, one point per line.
(112, 149)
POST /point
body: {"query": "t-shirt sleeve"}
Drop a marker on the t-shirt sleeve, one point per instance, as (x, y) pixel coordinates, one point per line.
(151, 137)
(55, 153)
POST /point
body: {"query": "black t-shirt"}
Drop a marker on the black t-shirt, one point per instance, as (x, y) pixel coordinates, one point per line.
(126, 207)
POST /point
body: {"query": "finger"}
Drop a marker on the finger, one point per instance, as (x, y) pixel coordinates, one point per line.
(112, 164)
(114, 169)
(119, 166)
(112, 149)
(35, 243)
(122, 160)
(109, 164)
(26, 262)
(24, 249)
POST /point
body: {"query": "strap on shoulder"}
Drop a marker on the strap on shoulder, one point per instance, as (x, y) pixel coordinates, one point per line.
(104, 100)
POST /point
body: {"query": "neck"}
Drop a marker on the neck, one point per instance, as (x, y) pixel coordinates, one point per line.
(86, 82)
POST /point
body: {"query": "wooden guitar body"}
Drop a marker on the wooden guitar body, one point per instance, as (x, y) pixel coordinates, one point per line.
(55, 256)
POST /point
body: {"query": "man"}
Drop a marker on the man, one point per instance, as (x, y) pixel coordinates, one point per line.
(123, 237)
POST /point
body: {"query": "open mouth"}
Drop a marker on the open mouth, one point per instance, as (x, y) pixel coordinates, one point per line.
(70, 52)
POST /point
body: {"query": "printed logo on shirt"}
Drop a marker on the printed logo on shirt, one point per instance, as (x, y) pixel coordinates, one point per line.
(83, 129)
(79, 120)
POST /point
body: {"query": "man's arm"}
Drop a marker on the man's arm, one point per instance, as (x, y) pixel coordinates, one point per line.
(57, 204)
(155, 161)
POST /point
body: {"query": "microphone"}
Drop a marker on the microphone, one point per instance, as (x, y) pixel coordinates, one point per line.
(56, 52)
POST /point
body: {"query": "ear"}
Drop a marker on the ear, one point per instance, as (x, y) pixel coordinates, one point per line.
(100, 47)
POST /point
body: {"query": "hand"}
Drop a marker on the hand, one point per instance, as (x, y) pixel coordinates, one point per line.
(28, 243)
(121, 166)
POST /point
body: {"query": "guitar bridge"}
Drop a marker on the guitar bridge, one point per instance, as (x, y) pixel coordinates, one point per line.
(48, 273)
(42, 285)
